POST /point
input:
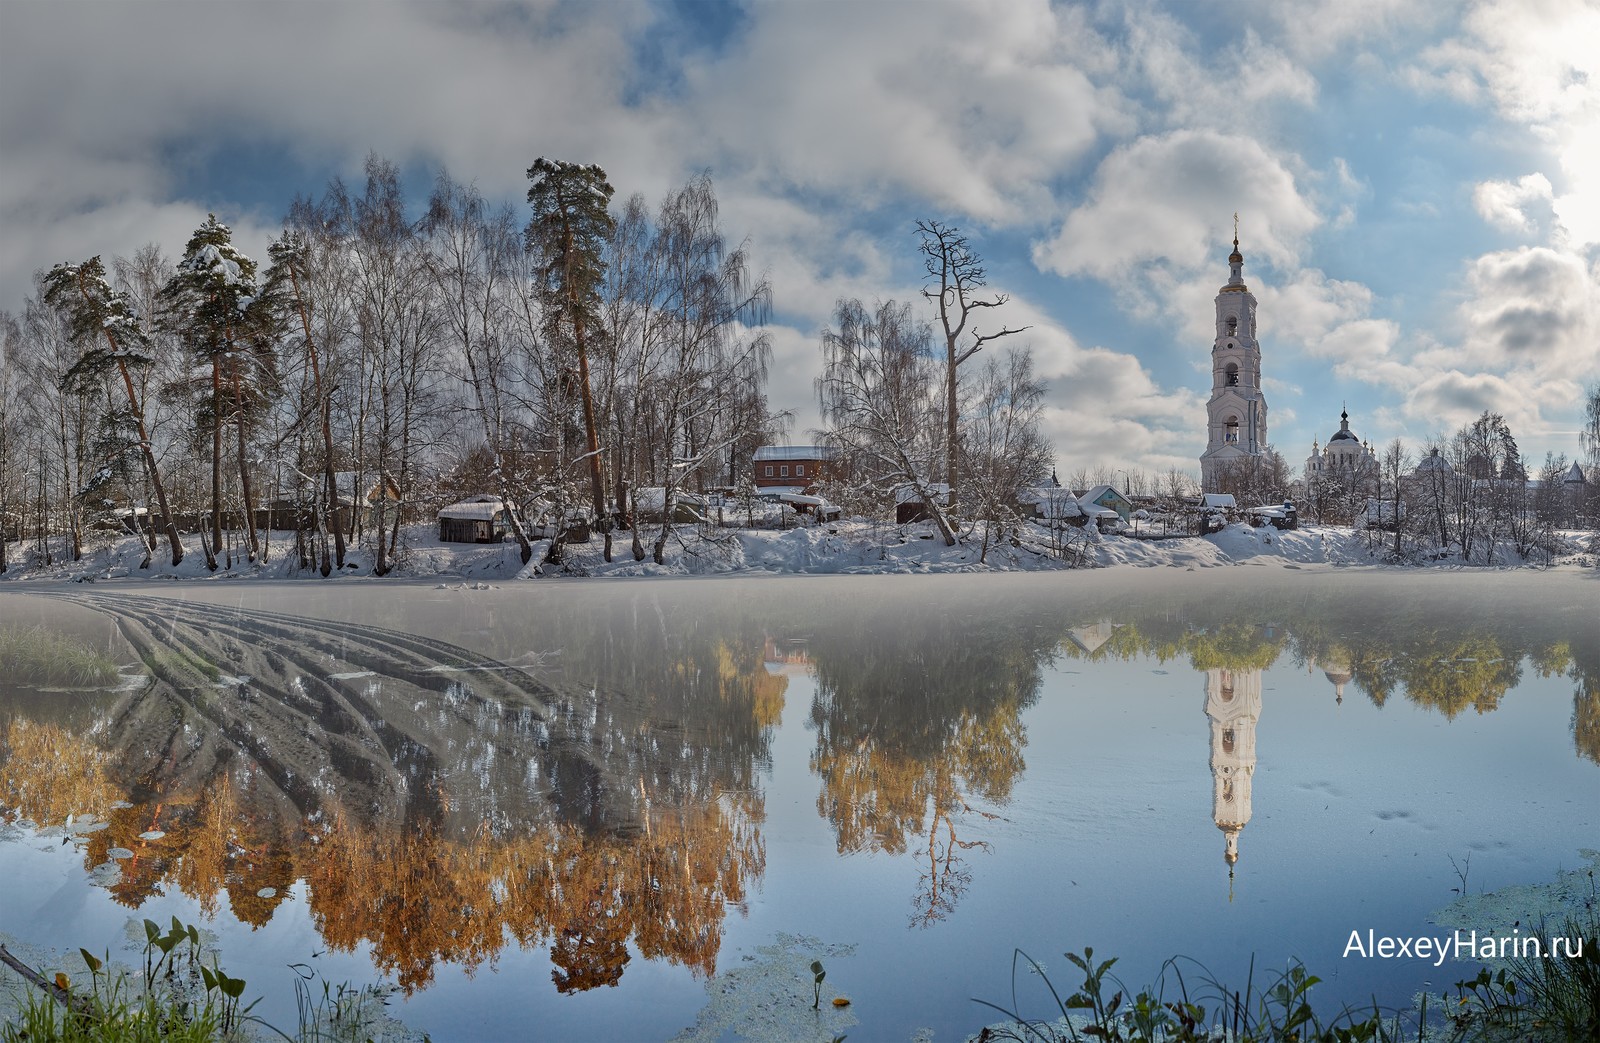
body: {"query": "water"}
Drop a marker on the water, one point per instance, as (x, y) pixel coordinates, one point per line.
(574, 805)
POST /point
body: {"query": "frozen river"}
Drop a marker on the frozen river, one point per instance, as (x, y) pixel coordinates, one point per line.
(570, 805)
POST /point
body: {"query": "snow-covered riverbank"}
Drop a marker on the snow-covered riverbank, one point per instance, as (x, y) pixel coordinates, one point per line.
(850, 547)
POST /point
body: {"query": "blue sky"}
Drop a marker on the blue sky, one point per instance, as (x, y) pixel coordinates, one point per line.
(1418, 184)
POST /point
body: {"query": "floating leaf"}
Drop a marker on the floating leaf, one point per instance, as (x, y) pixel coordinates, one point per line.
(840, 1001)
(63, 982)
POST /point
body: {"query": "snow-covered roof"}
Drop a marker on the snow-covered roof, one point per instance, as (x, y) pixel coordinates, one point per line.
(773, 492)
(796, 452)
(476, 509)
(1574, 474)
(1100, 490)
(1433, 462)
(1217, 500)
(1051, 500)
(654, 498)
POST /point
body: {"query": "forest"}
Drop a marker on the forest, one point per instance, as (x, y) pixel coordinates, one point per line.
(381, 364)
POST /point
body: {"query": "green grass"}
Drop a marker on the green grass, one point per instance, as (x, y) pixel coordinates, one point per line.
(38, 656)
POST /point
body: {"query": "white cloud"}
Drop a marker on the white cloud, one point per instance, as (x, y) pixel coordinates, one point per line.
(1507, 204)
(1168, 200)
(1538, 63)
(974, 107)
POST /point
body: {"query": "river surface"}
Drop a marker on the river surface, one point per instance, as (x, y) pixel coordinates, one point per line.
(584, 810)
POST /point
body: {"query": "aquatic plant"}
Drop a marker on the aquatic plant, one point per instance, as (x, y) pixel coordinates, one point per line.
(179, 999)
(1555, 999)
(38, 656)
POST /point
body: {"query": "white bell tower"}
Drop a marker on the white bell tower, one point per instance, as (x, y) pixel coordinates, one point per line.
(1236, 415)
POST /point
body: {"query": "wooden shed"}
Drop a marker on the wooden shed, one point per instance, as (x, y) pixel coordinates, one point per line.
(481, 519)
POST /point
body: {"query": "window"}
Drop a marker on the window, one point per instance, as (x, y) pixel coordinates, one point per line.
(1231, 432)
(1233, 324)
(1233, 374)
(800, 470)
(783, 472)
(769, 470)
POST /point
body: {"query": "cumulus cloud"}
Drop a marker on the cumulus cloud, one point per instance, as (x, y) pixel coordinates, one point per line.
(1168, 200)
(1509, 204)
(1533, 307)
(1537, 63)
(973, 107)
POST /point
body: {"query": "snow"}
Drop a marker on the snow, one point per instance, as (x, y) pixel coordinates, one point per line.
(852, 546)
(473, 510)
(794, 452)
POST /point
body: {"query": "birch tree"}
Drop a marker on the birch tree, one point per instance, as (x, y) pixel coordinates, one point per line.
(473, 259)
(880, 395)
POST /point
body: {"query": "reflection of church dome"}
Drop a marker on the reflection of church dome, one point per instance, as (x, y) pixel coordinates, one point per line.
(1339, 676)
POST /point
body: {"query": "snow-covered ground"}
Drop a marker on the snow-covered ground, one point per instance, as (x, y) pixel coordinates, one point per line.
(837, 548)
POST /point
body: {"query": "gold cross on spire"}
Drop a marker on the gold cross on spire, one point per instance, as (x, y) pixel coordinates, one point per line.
(1236, 228)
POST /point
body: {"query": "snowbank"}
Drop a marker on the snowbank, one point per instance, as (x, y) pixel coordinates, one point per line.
(848, 547)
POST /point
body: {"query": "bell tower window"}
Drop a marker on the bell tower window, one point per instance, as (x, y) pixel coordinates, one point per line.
(1232, 373)
(1231, 431)
(1233, 324)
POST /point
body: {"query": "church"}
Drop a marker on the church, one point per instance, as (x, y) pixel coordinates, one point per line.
(1236, 415)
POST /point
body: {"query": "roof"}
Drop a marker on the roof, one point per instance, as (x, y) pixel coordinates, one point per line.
(1574, 474)
(476, 509)
(796, 452)
(1216, 500)
(1100, 490)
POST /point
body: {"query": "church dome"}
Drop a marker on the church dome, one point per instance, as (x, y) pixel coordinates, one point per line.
(1344, 434)
(1434, 462)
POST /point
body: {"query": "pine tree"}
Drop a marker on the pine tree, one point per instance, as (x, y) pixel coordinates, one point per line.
(567, 237)
(102, 320)
(209, 302)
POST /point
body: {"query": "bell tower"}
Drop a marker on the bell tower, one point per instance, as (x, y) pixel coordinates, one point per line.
(1236, 415)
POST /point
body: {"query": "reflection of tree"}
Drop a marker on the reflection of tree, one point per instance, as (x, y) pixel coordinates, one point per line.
(401, 794)
(912, 718)
(48, 772)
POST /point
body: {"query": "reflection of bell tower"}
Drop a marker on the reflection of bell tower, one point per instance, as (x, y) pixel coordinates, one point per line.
(1233, 704)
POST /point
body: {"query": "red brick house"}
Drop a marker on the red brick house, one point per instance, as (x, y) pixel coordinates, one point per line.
(793, 466)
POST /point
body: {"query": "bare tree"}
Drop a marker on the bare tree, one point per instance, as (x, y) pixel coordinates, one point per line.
(707, 312)
(474, 259)
(1003, 448)
(955, 277)
(880, 395)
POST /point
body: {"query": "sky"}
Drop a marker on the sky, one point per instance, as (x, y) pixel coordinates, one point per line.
(1417, 183)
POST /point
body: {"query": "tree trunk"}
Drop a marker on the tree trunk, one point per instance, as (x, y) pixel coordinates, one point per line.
(253, 547)
(216, 465)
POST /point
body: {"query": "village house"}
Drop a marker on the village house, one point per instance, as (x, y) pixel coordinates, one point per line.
(795, 467)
